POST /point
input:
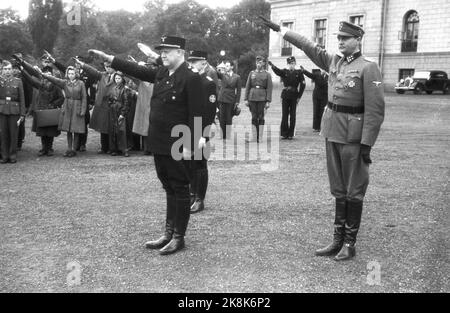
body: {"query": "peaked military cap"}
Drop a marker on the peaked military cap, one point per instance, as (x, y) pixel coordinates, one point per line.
(290, 60)
(350, 30)
(172, 42)
(45, 57)
(198, 55)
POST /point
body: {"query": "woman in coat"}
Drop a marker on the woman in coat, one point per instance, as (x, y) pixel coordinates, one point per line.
(118, 100)
(49, 97)
(74, 108)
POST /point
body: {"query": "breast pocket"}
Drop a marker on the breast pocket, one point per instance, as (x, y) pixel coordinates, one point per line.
(353, 83)
(354, 128)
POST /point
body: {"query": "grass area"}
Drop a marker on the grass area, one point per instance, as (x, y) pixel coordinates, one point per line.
(260, 229)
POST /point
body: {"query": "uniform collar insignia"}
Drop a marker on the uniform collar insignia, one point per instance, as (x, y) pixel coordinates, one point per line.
(353, 57)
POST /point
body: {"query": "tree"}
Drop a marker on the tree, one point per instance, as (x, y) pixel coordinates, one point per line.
(14, 36)
(43, 21)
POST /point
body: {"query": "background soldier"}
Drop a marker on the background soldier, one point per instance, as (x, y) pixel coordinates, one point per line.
(199, 184)
(258, 95)
(177, 99)
(229, 96)
(350, 124)
(320, 95)
(294, 85)
(12, 112)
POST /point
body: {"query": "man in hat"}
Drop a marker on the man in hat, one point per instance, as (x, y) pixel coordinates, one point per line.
(258, 96)
(350, 124)
(294, 85)
(199, 184)
(177, 99)
(12, 112)
(229, 95)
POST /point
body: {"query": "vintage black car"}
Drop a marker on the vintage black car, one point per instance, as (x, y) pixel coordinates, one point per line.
(424, 81)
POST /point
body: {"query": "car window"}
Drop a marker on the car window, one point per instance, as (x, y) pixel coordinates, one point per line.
(422, 75)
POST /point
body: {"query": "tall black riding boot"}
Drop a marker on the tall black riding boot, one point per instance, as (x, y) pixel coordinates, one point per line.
(181, 222)
(200, 192)
(170, 225)
(339, 230)
(50, 150)
(354, 212)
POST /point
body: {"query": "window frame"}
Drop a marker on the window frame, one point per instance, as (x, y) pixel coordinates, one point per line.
(325, 32)
(285, 46)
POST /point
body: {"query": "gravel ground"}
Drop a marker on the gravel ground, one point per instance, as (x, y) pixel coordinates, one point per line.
(87, 218)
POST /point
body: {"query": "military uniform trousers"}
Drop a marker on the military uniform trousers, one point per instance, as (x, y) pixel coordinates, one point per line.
(257, 110)
(175, 177)
(348, 174)
(9, 134)
(288, 117)
(319, 104)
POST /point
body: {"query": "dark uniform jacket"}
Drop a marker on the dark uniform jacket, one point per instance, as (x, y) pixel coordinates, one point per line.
(230, 88)
(210, 88)
(354, 81)
(293, 81)
(259, 87)
(12, 98)
(176, 100)
(320, 84)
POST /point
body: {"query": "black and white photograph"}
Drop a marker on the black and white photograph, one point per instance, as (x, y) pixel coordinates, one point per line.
(224, 152)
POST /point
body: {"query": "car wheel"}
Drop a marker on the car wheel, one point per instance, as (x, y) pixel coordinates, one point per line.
(446, 90)
(418, 90)
(429, 92)
(400, 92)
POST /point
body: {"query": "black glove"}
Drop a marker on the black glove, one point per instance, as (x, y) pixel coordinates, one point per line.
(270, 63)
(365, 153)
(17, 58)
(270, 24)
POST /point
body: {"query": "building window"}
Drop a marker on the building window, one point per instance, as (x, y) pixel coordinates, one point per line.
(320, 32)
(286, 47)
(410, 32)
(403, 73)
(358, 20)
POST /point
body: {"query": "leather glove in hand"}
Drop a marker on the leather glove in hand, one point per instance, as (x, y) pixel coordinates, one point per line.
(365, 153)
(270, 24)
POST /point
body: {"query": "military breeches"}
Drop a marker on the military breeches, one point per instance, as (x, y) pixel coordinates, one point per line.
(288, 117)
(348, 174)
(9, 132)
(257, 110)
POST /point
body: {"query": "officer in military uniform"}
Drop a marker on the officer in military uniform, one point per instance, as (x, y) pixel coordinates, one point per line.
(12, 112)
(199, 184)
(258, 96)
(294, 85)
(177, 99)
(350, 124)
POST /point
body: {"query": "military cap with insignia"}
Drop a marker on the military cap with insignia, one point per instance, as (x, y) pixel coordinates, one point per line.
(45, 57)
(290, 60)
(197, 55)
(171, 42)
(350, 30)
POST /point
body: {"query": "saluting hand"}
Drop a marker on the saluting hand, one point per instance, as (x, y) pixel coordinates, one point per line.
(100, 54)
(270, 63)
(270, 24)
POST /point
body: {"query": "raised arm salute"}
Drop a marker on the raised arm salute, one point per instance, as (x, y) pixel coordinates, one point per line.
(177, 99)
(350, 124)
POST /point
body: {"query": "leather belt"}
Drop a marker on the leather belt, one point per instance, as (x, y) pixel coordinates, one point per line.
(345, 108)
(258, 87)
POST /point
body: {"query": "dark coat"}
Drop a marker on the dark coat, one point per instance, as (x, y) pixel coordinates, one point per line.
(293, 81)
(99, 120)
(176, 100)
(230, 88)
(49, 97)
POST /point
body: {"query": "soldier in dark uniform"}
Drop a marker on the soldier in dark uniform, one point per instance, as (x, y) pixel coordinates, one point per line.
(294, 85)
(258, 96)
(177, 99)
(350, 124)
(199, 184)
(320, 95)
(12, 112)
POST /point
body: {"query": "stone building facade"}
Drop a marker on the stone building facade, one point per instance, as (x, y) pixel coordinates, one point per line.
(401, 36)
